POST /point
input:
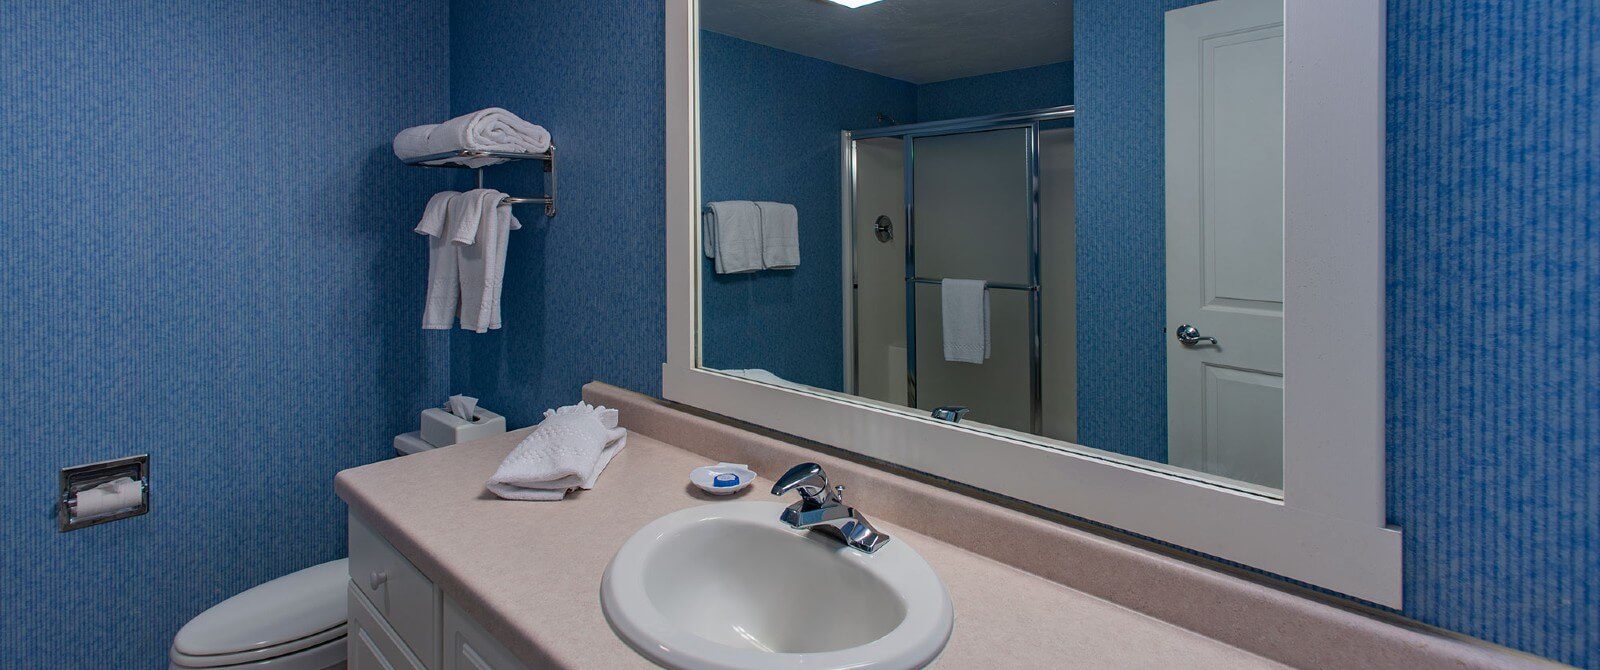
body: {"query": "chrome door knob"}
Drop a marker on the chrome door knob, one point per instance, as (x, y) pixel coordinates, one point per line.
(1190, 336)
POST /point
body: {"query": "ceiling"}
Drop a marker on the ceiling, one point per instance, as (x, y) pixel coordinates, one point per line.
(919, 41)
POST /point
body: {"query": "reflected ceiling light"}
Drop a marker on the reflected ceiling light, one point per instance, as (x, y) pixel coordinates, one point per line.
(853, 3)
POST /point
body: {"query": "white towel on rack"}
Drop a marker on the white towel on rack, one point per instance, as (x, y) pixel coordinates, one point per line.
(780, 236)
(731, 235)
(444, 287)
(466, 214)
(481, 259)
(490, 129)
(965, 306)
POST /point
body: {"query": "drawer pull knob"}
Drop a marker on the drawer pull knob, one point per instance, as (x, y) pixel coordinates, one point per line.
(377, 579)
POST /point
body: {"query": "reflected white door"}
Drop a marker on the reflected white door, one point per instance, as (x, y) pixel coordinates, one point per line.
(1224, 174)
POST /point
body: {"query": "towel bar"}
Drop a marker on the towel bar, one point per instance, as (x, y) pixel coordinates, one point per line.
(993, 284)
(549, 158)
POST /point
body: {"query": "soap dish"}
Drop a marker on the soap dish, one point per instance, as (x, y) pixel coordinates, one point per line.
(723, 478)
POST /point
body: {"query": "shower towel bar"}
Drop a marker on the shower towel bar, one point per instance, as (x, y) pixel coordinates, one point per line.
(993, 284)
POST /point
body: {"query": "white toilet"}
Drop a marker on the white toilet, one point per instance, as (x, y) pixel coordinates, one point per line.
(294, 622)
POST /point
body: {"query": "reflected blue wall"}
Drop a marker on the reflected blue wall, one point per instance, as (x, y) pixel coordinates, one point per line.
(208, 259)
(1121, 223)
(1011, 91)
(770, 123)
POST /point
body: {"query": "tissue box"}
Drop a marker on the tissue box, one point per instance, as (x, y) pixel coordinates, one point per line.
(442, 429)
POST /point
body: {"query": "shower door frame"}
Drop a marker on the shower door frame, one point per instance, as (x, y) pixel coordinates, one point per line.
(1028, 121)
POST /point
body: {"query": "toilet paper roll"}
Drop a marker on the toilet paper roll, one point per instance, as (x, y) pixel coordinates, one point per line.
(117, 494)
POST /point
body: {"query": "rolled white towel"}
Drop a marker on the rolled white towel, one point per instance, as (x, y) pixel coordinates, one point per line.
(490, 129)
(567, 450)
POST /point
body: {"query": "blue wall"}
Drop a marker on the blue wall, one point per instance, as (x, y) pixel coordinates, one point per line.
(584, 292)
(208, 260)
(1122, 376)
(1494, 230)
(770, 123)
(1494, 302)
(1014, 90)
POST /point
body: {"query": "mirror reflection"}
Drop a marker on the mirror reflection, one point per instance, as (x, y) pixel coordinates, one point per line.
(1059, 220)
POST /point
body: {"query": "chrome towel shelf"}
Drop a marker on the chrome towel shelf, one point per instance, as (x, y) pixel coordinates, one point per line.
(549, 158)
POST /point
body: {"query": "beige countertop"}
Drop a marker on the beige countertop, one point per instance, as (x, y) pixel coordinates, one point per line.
(529, 572)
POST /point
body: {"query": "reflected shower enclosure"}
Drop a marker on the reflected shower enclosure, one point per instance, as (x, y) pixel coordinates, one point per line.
(989, 199)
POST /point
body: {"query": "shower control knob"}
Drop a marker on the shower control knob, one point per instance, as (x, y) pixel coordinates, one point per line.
(377, 579)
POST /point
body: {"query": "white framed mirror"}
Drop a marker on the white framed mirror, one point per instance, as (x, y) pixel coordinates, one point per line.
(1116, 260)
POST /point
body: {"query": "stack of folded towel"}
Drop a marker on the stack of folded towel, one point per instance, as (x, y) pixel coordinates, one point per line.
(491, 129)
(566, 451)
(467, 240)
(745, 236)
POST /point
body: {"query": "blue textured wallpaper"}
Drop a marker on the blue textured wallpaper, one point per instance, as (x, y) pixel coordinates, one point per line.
(208, 259)
(770, 123)
(584, 291)
(1494, 303)
(1121, 191)
(1010, 91)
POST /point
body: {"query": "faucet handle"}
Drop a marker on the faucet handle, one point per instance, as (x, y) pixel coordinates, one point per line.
(811, 482)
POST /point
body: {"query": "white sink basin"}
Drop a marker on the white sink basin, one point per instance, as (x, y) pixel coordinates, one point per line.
(727, 585)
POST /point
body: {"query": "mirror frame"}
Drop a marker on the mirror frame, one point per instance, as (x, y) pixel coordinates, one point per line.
(1329, 529)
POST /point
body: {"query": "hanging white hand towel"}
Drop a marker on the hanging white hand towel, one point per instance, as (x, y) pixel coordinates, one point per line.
(731, 235)
(444, 288)
(567, 450)
(780, 236)
(483, 236)
(965, 303)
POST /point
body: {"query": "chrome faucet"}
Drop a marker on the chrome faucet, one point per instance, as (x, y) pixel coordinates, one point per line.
(822, 508)
(951, 413)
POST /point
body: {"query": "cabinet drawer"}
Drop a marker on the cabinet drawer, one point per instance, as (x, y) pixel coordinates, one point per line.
(469, 647)
(401, 595)
(371, 644)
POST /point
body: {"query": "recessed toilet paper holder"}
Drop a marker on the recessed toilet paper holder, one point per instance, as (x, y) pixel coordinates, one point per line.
(80, 478)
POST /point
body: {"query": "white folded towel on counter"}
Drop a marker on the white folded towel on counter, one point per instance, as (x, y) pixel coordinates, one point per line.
(780, 236)
(490, 129)
(568, 450)
(731, 235)
(965, 306)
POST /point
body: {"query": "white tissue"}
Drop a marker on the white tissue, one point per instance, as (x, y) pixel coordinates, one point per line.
(109, 497)
(462, 406)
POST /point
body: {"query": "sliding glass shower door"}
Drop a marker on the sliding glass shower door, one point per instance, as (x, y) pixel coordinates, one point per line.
(972, 218)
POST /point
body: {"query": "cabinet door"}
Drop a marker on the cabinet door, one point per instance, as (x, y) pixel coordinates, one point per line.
(370, 643)
(397, 591)
(467, 646)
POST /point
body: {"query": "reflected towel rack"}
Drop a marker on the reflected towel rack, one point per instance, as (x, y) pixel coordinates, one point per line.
(993, 284)
(549, 158)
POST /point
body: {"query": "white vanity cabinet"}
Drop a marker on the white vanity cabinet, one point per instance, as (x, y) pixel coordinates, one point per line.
(399, 620)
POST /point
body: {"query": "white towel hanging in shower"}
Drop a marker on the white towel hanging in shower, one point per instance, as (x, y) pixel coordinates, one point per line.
(965, 304)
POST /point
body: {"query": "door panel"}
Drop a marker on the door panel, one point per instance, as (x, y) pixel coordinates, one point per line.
(1224, 170)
